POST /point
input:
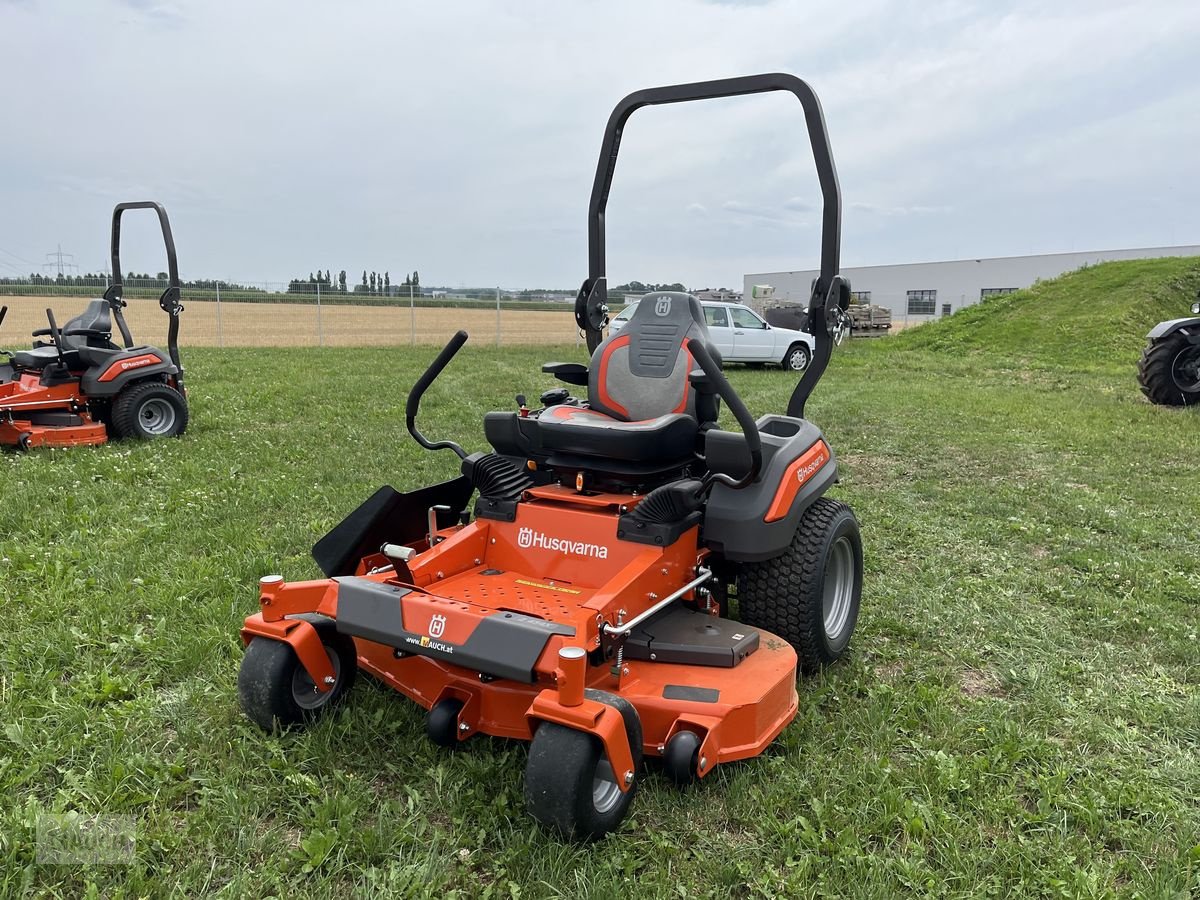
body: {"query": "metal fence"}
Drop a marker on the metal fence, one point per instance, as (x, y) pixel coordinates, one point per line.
(259, 314)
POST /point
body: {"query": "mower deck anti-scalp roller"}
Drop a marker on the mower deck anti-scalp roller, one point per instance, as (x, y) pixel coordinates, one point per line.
(582, 603)
(80, 388)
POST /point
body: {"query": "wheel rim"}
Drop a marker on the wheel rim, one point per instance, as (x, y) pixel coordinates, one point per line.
(157, 416)
(798, 359)
(1185, 369)
(605, 790)
(304, 689)
(838, 594)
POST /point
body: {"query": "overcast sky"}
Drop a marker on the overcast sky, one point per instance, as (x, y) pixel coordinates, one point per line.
(460, 138)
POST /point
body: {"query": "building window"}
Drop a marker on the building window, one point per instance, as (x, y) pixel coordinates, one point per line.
(984, 293)
(860, 296)
(945, 309)
(922, 303)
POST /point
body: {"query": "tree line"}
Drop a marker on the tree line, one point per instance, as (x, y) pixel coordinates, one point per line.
(373, 284)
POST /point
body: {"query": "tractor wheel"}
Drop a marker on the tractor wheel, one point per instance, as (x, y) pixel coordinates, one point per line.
(570, 786)
(797, 358)
(149, 410)
(810, 594)
(276, 691)
(1169, 371)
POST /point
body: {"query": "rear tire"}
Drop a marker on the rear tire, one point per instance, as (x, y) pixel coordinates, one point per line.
(276, 691)
(149, 410)
(570, 787)
(797, 358)
(1169, 371)
(810, 594)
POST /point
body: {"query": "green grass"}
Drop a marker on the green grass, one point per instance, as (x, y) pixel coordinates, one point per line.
(1020, 713)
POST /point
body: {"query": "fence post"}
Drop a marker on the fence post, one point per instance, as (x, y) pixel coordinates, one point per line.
(220, 333)
(497, 317)
(320, 331)
(412, 317)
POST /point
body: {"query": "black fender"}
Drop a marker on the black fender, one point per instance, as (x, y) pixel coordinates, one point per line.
(1168, 328)
(118, 371)
(799, 466)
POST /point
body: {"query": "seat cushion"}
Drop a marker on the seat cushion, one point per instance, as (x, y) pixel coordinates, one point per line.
(586, 432)
(37, 358)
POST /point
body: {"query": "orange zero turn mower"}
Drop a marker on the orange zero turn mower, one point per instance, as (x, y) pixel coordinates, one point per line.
(582, 604)
(79, 387)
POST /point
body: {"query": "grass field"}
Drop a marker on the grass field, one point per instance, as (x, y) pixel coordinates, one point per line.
(298, 325)
(1019, 715)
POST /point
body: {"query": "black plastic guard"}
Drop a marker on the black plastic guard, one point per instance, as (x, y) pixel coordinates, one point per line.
(388, 517)
(503, 645)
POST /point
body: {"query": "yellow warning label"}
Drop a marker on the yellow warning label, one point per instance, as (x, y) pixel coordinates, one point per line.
(548, 587)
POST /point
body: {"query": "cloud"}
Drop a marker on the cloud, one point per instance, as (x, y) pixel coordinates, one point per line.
(461, 139)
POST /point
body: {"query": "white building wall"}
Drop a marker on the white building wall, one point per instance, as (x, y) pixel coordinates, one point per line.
(957, 282)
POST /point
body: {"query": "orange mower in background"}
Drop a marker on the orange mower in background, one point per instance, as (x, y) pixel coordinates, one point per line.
(583, 603)
(81, 388)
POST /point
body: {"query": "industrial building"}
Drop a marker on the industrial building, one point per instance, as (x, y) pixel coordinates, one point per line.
(921, 291)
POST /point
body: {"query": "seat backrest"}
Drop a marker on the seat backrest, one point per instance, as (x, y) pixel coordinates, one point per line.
(641, 372)
(95, 318)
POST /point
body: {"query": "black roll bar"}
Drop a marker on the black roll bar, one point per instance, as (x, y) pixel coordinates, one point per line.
(592, 303)
(171, 300)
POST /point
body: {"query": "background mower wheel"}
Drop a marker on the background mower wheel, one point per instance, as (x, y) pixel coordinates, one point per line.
(442, 723)
(809, 595)
(570, 786)
(681, 758)
(149, 410)
(1169, 371)
(277, 692)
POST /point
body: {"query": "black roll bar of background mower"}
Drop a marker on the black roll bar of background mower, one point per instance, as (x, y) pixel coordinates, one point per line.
(171, 300)
(592, 302)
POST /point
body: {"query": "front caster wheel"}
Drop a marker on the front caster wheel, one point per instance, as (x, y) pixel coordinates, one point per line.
(442, 722)
(570, 785)
(277, 692)
(681, 758)
(24, 440)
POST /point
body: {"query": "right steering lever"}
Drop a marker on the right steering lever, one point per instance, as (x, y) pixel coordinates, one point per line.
(753, 441)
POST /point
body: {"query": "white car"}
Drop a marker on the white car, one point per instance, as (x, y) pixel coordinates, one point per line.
(742, 336)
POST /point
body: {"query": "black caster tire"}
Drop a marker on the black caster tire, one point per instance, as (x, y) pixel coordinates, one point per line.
(276, 691)
(681, 758)
(1169, 371)
(570, 787)
(441, 725)
(810, 594)
(24, 440)
(149, 410)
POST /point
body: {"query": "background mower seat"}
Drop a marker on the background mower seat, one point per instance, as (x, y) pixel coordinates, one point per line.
(641, 406)
(95, 318)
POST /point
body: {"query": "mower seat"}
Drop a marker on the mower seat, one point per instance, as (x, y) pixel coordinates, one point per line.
(95, 318)
(641, 406)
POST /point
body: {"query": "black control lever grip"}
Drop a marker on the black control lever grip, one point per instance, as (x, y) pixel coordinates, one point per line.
(740, 412)
(414, 396)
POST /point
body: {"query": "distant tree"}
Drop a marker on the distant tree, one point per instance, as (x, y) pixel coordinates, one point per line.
(328, 280)
(372, 282)
(387, 283)
(364, 284)
(342, 281)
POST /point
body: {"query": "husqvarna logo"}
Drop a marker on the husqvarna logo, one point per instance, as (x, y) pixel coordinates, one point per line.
(527, 537)
(135, 363)
(662, 307)
(437, 626)
(806, 472)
